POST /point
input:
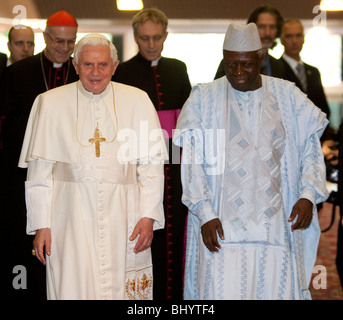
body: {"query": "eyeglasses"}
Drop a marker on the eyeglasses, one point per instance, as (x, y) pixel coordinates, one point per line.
(58, 42)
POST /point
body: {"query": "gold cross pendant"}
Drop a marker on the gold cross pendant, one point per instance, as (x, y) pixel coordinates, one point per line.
(97, 139)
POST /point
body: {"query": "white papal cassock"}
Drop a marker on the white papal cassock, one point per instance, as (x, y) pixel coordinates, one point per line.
(92, 204)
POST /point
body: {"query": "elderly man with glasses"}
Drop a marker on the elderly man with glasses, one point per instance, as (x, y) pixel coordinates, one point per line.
(22, 82)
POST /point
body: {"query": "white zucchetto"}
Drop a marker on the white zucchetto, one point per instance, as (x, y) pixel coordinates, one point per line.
(242, 38)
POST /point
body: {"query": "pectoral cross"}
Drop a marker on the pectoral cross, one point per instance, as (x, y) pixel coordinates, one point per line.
(97, 139)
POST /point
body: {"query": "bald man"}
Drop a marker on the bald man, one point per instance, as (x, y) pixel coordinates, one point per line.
(293, 39)
(21, 43)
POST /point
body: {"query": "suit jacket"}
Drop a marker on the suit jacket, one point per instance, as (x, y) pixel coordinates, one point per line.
(315, 90)
(3, 61)
(277, 68)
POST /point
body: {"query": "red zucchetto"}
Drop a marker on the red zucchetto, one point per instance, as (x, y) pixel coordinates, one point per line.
(62, 18)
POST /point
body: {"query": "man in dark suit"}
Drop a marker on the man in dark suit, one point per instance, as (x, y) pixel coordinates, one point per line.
(268, 21)
(306, 77)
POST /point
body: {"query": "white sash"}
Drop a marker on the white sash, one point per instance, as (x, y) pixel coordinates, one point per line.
(91, 169)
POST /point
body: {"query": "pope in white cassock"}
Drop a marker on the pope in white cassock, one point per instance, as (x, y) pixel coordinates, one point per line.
(94, 151)
(252, 173)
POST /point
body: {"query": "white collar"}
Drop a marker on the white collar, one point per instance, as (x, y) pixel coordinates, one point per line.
(57, 65)
(154, 63)
(91, 95)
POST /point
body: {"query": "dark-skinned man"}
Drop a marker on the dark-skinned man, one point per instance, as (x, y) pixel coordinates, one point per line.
(252, 172)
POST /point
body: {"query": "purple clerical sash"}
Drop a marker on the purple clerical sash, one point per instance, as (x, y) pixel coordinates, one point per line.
(168, 120)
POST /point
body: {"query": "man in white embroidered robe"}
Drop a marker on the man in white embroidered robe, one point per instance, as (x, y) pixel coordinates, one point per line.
(252, 171)
(95, 181)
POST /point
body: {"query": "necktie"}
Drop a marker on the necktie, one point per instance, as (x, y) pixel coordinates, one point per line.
(302, 76)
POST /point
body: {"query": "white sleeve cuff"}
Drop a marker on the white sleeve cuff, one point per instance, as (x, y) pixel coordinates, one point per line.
(205, 212)
(308, 194)
(38, 196)
(151, 186)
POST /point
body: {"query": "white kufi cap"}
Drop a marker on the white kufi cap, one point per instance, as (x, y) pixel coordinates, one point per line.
(242, 38)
